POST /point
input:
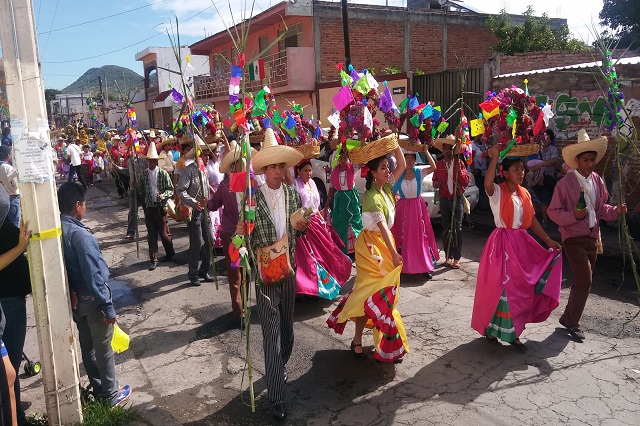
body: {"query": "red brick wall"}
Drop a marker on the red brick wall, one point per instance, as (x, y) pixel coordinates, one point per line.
(539, 60)
(426, 47)
(468, 46)
(368, 48)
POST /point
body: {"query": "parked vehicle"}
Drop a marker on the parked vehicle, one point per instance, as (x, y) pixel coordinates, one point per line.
(321, 173)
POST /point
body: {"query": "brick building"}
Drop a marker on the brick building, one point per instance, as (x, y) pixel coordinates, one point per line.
(389, 40)
(576, 93)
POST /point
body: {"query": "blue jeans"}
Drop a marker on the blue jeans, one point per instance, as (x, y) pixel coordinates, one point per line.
(14, 211)
(95, 345)
(15, 331)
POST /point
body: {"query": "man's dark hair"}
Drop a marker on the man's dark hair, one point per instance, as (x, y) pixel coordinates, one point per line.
(586, 152)
(69, 194)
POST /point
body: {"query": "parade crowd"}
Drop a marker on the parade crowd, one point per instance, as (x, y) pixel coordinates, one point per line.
(305, 241)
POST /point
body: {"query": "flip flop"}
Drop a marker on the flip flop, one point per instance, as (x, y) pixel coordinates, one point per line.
(448, 263)
(455, 265)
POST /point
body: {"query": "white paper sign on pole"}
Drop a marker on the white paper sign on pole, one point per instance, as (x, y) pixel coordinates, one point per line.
(32, 154)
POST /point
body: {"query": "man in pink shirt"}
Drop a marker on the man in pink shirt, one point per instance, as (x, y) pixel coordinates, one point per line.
(577, 206)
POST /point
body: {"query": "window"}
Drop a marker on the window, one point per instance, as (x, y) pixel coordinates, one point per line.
(219, 63)
(292, 37)
(263, 43)
(152, 77)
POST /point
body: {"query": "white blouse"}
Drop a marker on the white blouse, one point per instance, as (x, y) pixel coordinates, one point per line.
(494, 202)
(278, 215)
(410, 187)
(370, 220)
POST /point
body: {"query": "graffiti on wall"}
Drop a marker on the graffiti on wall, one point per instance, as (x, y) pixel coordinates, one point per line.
(582, 110)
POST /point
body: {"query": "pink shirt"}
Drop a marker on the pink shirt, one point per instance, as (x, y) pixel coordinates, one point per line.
(565, 198)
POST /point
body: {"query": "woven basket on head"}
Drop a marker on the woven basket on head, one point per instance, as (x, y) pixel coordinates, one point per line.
(256, 138)
(375, 149)
(309, 151)
(524, 150)
(412, 147)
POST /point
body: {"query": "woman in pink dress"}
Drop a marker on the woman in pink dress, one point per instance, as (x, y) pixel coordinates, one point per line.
(412, 229)
(518, 280)
(322, 268)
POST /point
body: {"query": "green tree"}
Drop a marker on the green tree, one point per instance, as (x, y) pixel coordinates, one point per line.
(622, 19)
(50, 95)
(535, 35)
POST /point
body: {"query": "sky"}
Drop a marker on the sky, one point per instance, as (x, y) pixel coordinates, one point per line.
(70, 44)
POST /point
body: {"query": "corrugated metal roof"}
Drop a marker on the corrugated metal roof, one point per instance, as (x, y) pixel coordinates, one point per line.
(624, 61)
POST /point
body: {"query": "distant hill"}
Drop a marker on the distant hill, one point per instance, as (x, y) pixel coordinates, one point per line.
(89, 83)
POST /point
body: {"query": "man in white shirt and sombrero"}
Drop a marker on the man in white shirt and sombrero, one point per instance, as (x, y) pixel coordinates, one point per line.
(276, 226)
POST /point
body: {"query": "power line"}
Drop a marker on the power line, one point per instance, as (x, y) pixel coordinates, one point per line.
(122, 48)
(52, 21)
(100, 19)
(102, 54)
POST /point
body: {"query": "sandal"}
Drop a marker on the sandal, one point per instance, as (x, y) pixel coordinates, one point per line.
(358, 355)
(518, 345)
(456, 264)
(491, 339)
(448, 263)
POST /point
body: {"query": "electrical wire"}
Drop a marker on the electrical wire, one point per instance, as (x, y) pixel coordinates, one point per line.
(100, 19)
(52, 21)
(122, 48)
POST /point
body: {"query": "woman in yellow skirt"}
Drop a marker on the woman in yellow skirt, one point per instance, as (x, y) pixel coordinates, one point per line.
(372, 302)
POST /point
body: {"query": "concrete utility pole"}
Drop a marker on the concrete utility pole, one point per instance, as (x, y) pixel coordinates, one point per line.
(40, 207)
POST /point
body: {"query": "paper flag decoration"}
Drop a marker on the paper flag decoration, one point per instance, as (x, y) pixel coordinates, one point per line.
(511, 117)
(362, 86)
(442, 126)
(290, 123)
(237, 181)
(403, 105)
(415, 120)
(413, 102)
(386, 103)
(277, 118)
(477, 127)
(345, 78)
(548, 114)
(368, 119)
(235, 81)
(427, 111)
(343, 98)
(490, 105)
(539, 126)
(373, 84)
(177, 96)
(334, 119)
(436, 114)
(238, 116)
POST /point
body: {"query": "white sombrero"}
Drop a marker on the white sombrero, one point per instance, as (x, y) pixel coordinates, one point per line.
(584, 144)
(152, 152)
(272, 153)
(449, 140)
(234, 154)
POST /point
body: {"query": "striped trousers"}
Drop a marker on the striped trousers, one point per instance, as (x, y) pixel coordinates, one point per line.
(275, 311)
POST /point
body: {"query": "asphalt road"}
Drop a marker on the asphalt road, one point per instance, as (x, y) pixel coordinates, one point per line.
(187, 358)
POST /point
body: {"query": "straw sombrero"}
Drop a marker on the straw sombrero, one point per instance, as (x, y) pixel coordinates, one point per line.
(232, 156)
(584, 144)
(170, 139)
(201, 146)
(272, 153)
(152, 152)
(449, 140)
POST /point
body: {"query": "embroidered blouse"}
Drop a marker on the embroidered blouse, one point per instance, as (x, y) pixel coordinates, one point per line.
(309, 194)
(378, 206)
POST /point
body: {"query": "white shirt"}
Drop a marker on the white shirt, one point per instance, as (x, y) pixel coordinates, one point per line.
(275, 197)
(589, 189)
(9, 178)
(153, 183)
(449, 176)
(370, 220)
(74, 154)
(494, 202)
(215, 177)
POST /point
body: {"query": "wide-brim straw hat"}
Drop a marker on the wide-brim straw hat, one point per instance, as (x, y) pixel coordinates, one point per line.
(449, 140)
(272, 153)
(584, 144)
(199, 145)
(234, 154)
(170, 139)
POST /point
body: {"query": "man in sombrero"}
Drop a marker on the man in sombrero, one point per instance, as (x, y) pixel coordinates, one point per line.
(579, 203)
(276, 202)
